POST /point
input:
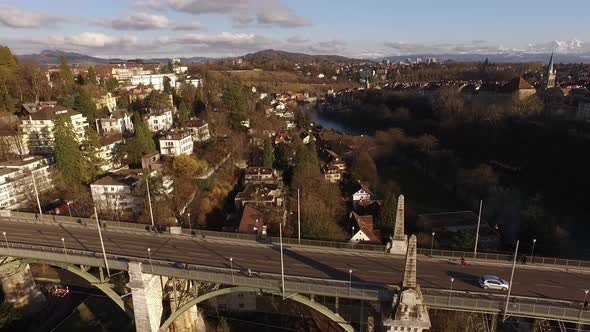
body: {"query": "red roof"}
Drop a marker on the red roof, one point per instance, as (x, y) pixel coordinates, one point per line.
(365, 224)
(516, 84)
(252, 221)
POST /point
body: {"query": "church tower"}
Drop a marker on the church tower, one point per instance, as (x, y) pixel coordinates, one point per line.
(549, 75)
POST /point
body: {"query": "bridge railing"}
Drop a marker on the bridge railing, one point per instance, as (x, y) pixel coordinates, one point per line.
(514, 308)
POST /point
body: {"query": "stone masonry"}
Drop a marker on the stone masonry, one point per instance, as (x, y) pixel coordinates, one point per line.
(19, 286)
(399, 241)
(146, 291)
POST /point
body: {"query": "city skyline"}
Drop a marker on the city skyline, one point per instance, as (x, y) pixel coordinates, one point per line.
(146, 28)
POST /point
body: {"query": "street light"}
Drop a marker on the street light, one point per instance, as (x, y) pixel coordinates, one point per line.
(282, 263)
(231, 264)
(349, 281)
(298, 219)
(451, 290)
(149, 250)
(104, 253)
(63, 242)
(432, 242)
(511, 277)
(533, 251)
(190, 224)
(69, 208)
(6, 239)
(584, 303)
(477, 231)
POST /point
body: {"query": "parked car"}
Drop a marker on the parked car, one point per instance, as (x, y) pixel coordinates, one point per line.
(493, 282)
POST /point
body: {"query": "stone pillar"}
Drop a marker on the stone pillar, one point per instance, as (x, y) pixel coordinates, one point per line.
(19, 286)
(399, 240)
(190, 320)
(146, 291)
(410, 266)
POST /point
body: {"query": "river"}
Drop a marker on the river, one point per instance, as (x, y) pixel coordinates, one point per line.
(317, 118)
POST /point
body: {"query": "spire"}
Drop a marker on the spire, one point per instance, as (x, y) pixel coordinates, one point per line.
(550, 65)
(410, 269)
(398, 231)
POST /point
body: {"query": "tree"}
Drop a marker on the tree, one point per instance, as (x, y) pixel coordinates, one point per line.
(67, 76)
(188, 167)
(363, 168)
(84, 104)
(234, 97)
(91, 76)
(91, 145)
(9, 315)
(157, 100)
(142, 142)
(69, 159)
(480, 180)
(268, 154)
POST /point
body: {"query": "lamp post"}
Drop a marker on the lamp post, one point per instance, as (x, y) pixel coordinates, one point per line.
(451, 290)
(432, 243)
(149, 250)
(6, 240)
(477, 231)
(147, 183)
(69, 208)
(231, 264)
(584, 303)
(282, 264)
(298, 218)
(533, 251)
(36, 194)
(511, 277)
(349, 281)
(104, 253)
(63, 242)
(190, 224)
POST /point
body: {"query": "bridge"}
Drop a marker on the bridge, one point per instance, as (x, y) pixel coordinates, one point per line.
(543, 291)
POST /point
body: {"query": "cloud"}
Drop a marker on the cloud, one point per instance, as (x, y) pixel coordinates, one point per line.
(197, 26)
(244, 13)
(297, 40)
(222, 41)
(330, 46)
(560, 46)
(15, 17)
(137, 21)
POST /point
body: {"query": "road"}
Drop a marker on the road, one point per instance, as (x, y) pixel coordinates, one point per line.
(313, 262)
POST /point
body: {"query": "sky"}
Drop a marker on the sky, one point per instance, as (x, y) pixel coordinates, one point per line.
(362, 29)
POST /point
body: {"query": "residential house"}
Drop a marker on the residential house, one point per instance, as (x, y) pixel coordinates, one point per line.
(139, 92)
(262, 175)
(252, 221)
(199, 129)
(306, 137)
(176, 142)
(194, 81)
(155, 80)
(362, 230)
(518, 88)
(332, 174)
(118, 121)
(106, 101)
(151, 161)
(17, 189)
(359, 192)
(159, 119)
(38, 127)
(30, 108)
(266, 195)
(109, 146)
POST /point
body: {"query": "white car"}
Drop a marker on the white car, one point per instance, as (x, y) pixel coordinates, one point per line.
(493, 282)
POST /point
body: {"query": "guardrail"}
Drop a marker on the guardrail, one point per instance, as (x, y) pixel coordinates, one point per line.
(538, 260)
(532, 310)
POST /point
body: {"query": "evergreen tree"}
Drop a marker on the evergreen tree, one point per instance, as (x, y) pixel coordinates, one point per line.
(91, 146)
(141, 143)
(268, 153)
(91, 76)
(67, 76)
(84, 104)
(69, 159)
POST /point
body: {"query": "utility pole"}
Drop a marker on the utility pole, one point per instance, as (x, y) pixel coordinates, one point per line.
(477, 231)
(282, 263)
(36, 194)
(147, 183)
(511, 277)
(104, 253)
(298, 218)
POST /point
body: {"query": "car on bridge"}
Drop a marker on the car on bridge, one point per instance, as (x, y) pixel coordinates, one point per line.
(493, 282)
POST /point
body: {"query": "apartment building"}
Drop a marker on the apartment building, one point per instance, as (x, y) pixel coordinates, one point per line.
(16, 181)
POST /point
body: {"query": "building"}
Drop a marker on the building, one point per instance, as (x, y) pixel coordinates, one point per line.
(114, 192)
(264, 195)
(38, 127)
(16, 181)
(151, 161)
(252, 221)
(262, 175)
(359, 192)
(518, 88)
(118, 121)
(199, 129)
(155, 80)
(362, 230)
(176, 142)
(109, 146)
(30, 108)
(332, 174)
(194, 81)
(159, 120)
(549, 75)
(106, 101)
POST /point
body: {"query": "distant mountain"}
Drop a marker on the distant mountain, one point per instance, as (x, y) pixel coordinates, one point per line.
(499, 57)
(266, 56)
(52, 57)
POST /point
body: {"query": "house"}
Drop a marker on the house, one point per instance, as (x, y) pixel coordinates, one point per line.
(17, 189)
(175, 142)
(114, 191)
(306, 137)
(362, 230)
(252, 221)
(199, 129)
(267, 195)
(109, 145)
(281, 138)
(139, 92)
(155, 80)
(106, 101)
(151, 161)
(30, 108)
(261, 175)
(518, 88)
(332, 174)
(38, 127)
(359, 192)
(118, 121)
(159, 119)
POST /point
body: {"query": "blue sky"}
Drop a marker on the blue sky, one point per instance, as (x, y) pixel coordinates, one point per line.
(370, 28)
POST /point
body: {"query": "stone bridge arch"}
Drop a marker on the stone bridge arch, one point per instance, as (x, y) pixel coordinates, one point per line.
(94, 281)
(224, 291)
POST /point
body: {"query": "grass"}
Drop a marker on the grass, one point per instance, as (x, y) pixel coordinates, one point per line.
(421, 193)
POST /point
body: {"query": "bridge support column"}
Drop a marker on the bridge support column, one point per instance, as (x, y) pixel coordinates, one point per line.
(494, 322)
(19, 286)
(190, 320)
(146, 292)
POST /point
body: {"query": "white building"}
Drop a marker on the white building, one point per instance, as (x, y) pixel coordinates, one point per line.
(159, 120)
(156, 80)
(108, 147)
(16, 181)
(194, 81)
(176, 142)
(178, 70)
(38, 127)
(118, 121)
(360, 193)
(199, 130)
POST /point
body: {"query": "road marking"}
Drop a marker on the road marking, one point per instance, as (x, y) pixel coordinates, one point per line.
(555, 286)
